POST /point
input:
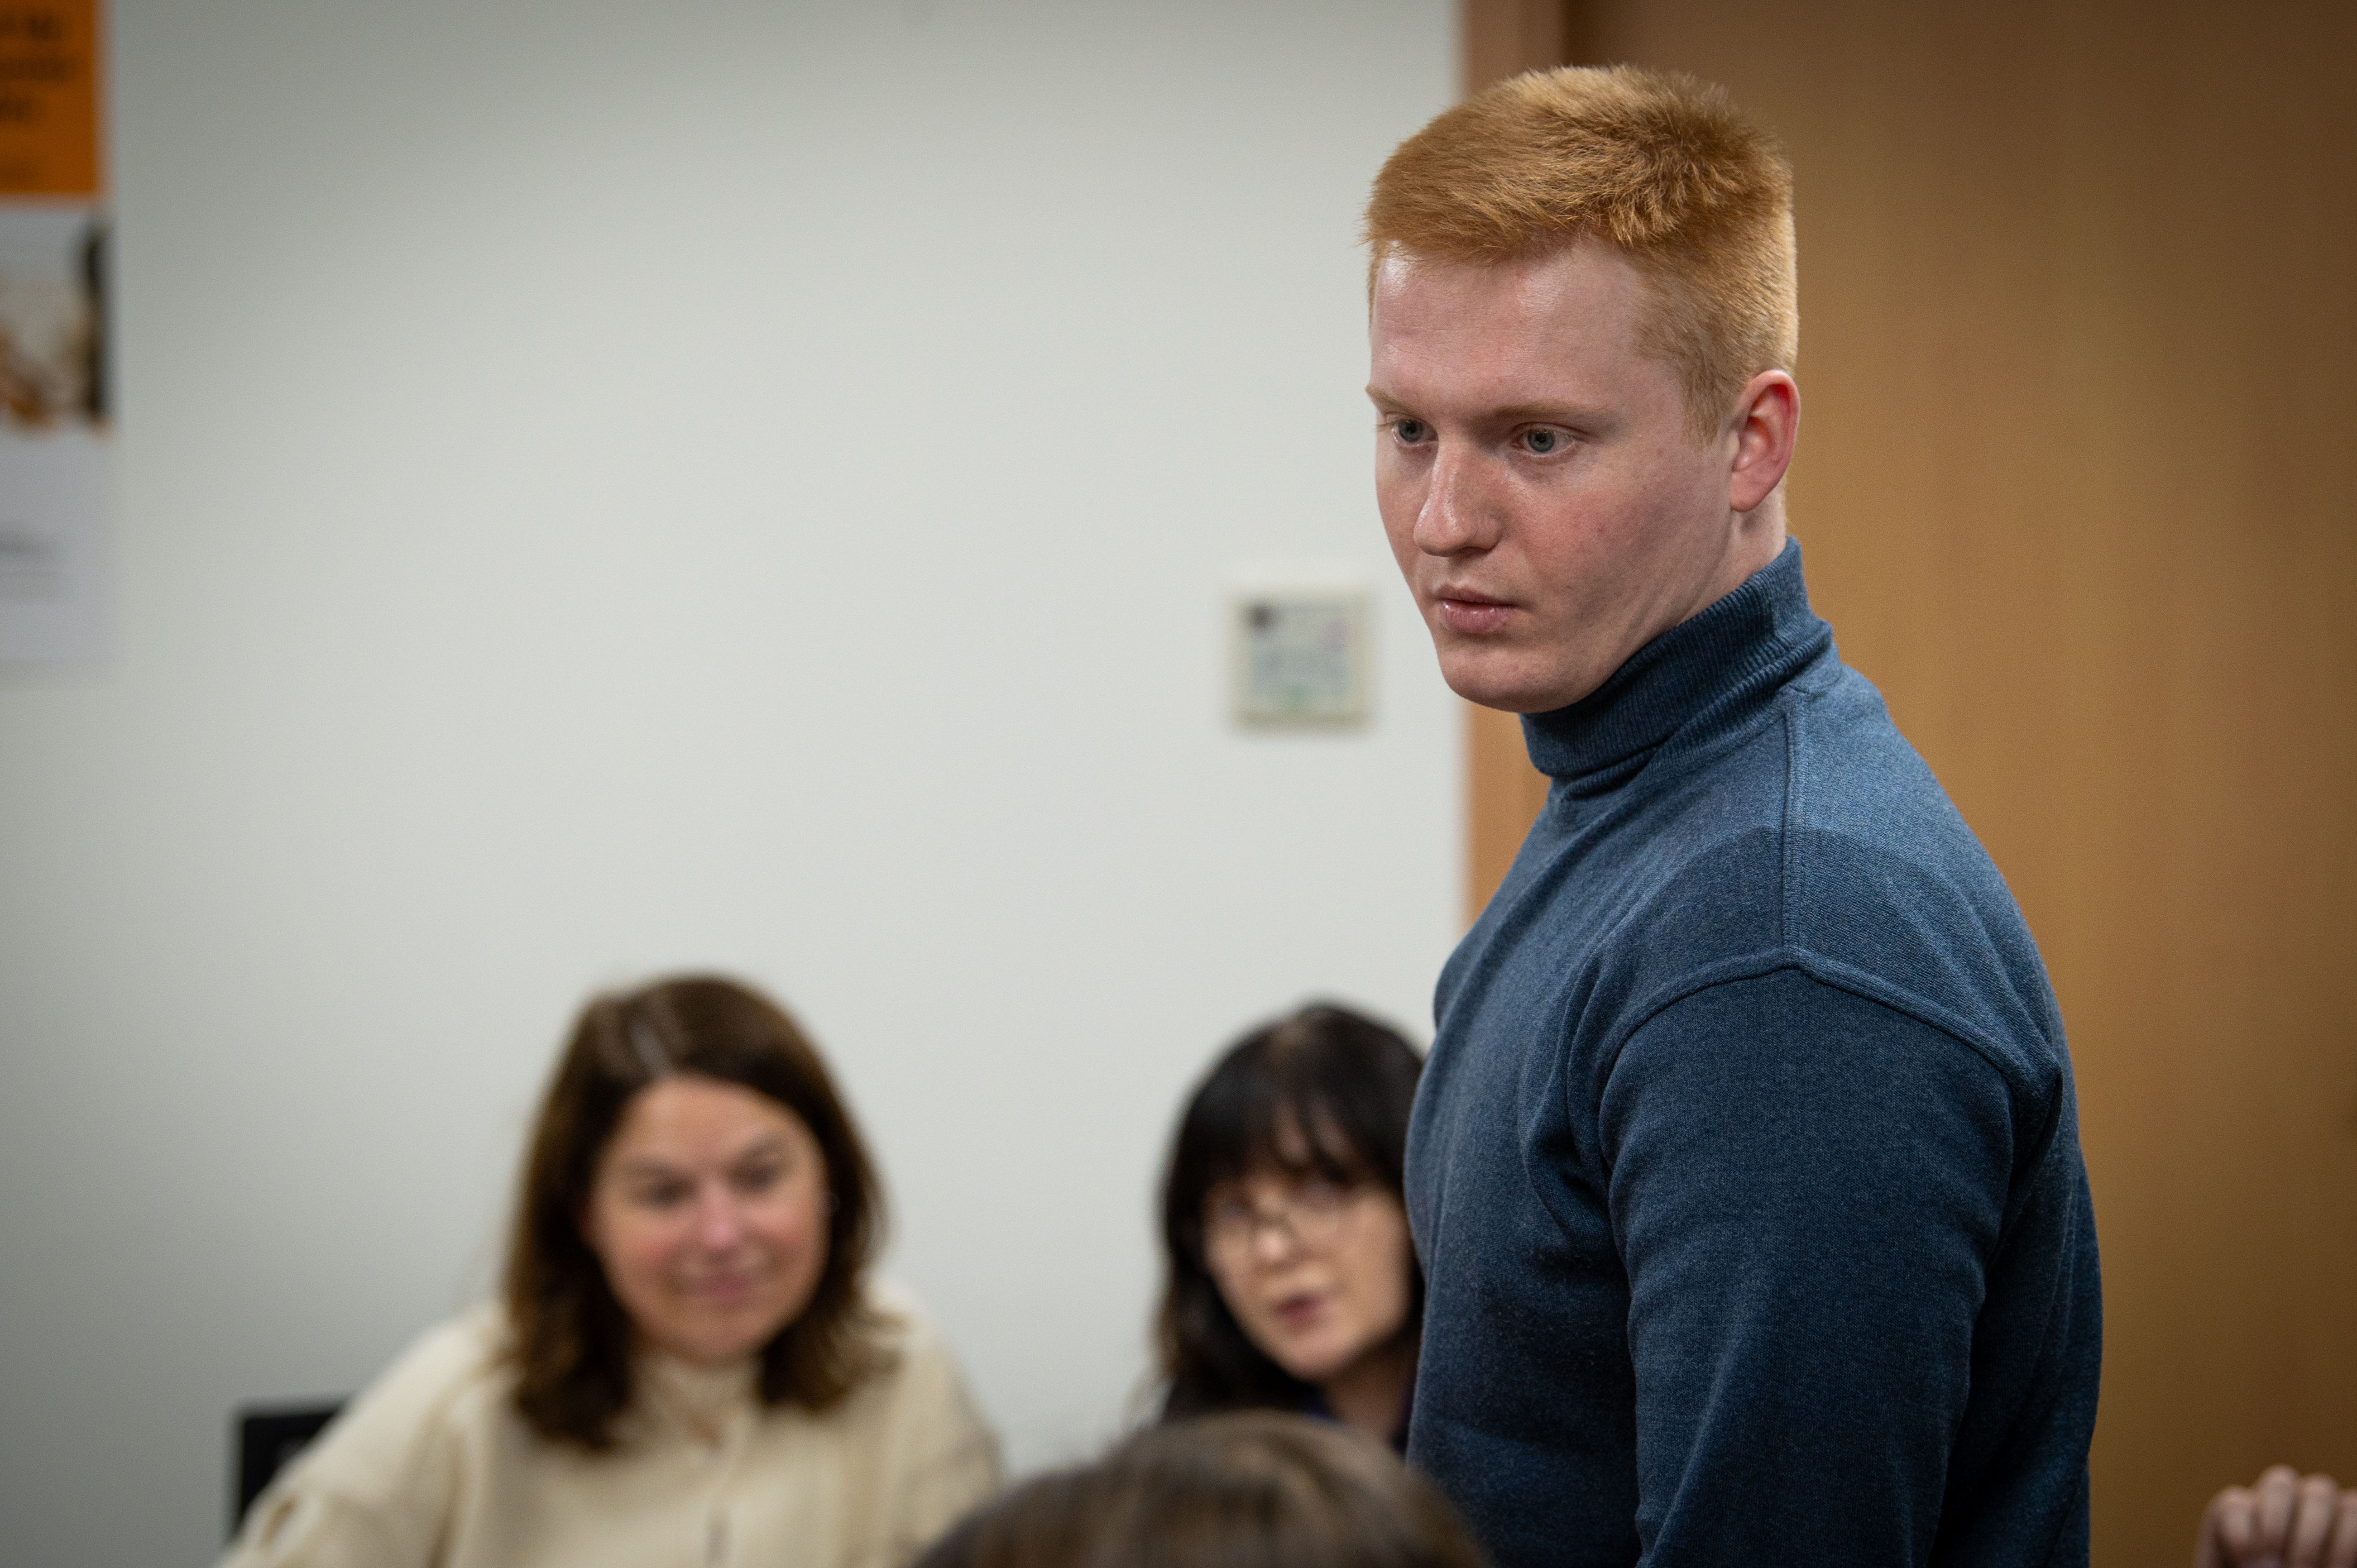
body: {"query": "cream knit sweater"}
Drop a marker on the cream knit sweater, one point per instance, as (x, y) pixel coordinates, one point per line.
(432, 1467)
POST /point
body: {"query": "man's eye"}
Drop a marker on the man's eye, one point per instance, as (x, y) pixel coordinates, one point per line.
(1410, 432)
(1542, 443)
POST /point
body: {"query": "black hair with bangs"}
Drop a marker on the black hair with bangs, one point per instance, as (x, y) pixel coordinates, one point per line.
(1324, 1092)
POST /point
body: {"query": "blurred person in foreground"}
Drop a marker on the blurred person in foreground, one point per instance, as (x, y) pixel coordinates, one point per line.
(1250, 1489)
(1744, 1169)
(690, 1363)
(1289, 1282)
(2283, 1520)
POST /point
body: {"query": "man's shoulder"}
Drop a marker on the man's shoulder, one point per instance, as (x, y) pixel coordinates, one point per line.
(1883, 874)
(1813, 837)
(1852, 774)
(1879, 885)
(1828, 804)
(1824, 840)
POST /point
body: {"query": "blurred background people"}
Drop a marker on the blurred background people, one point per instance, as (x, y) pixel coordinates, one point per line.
(1290, 1282)
(2283, 1520)
(689, 1362)
(1247, 1489)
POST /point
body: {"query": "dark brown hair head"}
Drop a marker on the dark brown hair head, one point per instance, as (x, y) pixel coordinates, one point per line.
(1250, 1489)
(1322, 1092)
(571, 1340)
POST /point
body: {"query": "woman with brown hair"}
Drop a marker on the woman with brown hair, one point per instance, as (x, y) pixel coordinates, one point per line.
(688, 1363)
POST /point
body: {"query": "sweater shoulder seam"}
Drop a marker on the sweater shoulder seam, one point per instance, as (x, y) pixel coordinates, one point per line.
(1825, 971)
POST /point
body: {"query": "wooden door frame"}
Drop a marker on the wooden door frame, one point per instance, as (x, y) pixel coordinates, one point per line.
(1503, 793)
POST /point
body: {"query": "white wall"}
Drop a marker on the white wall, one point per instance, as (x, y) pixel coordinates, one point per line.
(606, 488)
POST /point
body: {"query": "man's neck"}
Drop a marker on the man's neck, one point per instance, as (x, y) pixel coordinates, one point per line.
(1756, 538)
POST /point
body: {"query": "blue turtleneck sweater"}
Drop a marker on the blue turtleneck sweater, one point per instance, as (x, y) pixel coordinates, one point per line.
(1744, 1169)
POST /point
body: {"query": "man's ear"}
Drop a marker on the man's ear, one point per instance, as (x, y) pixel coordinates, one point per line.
(1766, 423)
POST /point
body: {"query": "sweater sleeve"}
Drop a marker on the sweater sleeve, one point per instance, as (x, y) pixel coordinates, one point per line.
(937, 1457)
(375, 1489)
(1807, 1188)
(310, 1527)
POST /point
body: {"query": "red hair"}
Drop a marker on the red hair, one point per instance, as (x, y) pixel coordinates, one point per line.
(1661, 167)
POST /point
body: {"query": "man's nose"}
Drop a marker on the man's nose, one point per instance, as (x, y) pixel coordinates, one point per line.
(1459, 512)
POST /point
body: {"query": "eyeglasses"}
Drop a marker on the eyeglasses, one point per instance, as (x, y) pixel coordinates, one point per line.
(1311, 1212)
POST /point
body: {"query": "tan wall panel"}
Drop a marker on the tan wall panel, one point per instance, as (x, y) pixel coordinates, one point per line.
(1503, 793)
(1506, 38)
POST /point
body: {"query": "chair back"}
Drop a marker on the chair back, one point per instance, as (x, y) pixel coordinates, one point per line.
(267, 1437)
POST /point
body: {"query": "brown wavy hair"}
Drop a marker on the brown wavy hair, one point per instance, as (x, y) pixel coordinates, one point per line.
(570, 1339)
(1249, 1490)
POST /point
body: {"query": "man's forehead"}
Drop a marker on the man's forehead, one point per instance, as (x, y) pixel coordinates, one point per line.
(1562, 325)
(1584, 275)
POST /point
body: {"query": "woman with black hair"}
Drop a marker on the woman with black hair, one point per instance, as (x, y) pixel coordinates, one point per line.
(1291, 1283)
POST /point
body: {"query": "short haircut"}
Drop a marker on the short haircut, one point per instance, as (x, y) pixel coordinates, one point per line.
(1256, 1489)
(1662, 166)
(571, 1340)
(1324, 1092)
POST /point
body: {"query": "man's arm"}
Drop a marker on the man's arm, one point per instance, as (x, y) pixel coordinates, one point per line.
(1807, 1188)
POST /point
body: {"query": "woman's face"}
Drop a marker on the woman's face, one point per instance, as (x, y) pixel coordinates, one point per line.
(708, 1211)
(1318, 1273)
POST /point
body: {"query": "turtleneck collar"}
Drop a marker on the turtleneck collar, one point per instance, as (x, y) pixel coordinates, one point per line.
(699, 1400)
(1718, 666)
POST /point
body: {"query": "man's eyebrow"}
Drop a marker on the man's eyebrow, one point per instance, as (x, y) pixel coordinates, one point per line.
(1550, 414)
(1575, 414)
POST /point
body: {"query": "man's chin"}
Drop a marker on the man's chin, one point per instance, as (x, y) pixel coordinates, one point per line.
(1494, 684)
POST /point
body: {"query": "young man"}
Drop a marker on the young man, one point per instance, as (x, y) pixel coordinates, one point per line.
(1745, 1170)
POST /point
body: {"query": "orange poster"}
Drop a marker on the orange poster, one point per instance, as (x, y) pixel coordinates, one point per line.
(55, 393)
(49, 98)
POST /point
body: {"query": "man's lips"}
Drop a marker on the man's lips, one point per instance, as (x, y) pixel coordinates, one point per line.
(1470, 613)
